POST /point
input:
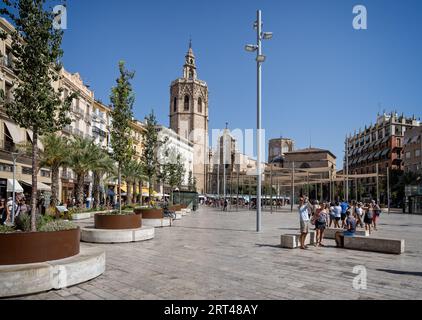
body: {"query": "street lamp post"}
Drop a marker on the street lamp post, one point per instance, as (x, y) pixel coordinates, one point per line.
(260, 58)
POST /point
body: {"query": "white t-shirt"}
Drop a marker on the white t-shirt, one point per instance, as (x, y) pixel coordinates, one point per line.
(337, 211)
(359, 211)
(304, 213)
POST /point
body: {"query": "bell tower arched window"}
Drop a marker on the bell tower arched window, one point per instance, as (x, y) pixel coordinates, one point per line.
(186, 105)
(175, 104)
(200, 105)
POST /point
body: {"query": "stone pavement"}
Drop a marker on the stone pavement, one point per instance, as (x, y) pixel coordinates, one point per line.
(216, 255)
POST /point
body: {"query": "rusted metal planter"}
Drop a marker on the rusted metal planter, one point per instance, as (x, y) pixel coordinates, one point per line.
(176, 208)
(35, 247)
(117, 222)
(147, 213)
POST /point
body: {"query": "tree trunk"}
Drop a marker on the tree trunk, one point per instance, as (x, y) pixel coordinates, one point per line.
(140, 192)
(55, 186)
(80, 190)
(119, 182)
(96, 189)
(149, 190)
(134, 200)
(34, 180)
(128, 192)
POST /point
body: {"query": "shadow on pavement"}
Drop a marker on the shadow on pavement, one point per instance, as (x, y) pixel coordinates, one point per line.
(399, 272)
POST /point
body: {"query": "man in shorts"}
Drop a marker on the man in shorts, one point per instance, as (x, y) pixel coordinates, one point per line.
(304, 213)
(350, 230)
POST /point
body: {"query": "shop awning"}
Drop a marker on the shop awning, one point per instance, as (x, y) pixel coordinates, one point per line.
(18, 187)
(17, 134)
(385, 152)
(40, 186)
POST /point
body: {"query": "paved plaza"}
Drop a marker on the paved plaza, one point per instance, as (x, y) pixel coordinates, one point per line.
(216, 255)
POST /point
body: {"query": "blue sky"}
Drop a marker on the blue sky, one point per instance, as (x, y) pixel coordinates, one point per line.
(322, 78)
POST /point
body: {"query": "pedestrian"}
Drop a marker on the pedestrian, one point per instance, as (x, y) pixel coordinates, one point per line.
(337, 212)
(225, 205)
(377, 213)
(350, 230)
(4, 212)
(321, 219)
(304, 211)
(359, 214)
(344, 207)
(369, 216)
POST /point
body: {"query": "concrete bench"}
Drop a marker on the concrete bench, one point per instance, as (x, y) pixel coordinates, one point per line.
(330, 233)
(391, 246)
(291, 241)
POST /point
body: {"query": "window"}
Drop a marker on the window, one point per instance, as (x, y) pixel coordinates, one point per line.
(186, 107)
(417, 153)
(190, 74)
(26, 170)
(398, 142)
(200, 105)
(45, 173)
(407, 155)
(6, 167)
(8, 92)
(175, 104)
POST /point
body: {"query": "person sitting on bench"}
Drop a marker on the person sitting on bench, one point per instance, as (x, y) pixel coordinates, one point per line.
(350, 230)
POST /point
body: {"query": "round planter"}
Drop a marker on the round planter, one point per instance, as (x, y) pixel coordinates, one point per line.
(35, 247)
(176, 208)
(150, 213)
(117, 222)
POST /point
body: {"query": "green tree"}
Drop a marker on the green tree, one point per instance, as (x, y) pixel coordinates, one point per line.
(102, 165)
(122, 99)
(151, 144)
(54, 156)
(129, 174)
(36, 51)
(83, 157)
(190, 181)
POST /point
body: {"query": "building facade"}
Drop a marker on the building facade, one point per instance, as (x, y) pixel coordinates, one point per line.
(413, 150)
(277, 148)
(189, 115)
(177, 145)
(376, 148)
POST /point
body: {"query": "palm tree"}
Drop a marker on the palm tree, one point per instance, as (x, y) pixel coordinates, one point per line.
(129, 173)
(54, 156)
(82, 159)
(102, 165)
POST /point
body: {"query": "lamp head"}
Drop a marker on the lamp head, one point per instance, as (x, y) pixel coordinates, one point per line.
(251, 47)
(267, 35)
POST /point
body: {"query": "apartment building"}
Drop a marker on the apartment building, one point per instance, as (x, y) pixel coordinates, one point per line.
(378, 145)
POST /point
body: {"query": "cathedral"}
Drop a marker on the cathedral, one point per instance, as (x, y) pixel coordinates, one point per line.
(189, 115)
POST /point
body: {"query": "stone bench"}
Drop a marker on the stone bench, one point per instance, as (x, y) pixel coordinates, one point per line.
(17, 280)
(330, 233)
(157, 223)
(391, 246)
(92, 235)
(291, 241)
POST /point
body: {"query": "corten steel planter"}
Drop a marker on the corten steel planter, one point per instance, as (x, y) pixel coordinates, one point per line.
(147, 213)
(36, 247)
(184, 206)
(117, 222)
(176, 208)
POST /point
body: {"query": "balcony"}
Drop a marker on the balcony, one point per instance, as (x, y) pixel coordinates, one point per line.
(7, 61)
(99, 132)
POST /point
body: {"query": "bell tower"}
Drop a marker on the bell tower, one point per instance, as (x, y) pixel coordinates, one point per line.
(189, 114)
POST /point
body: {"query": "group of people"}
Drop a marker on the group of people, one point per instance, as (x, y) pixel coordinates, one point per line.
(340, 214)
(6, 209)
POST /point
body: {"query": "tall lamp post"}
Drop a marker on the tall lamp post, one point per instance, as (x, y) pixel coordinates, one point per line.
(260, 58)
